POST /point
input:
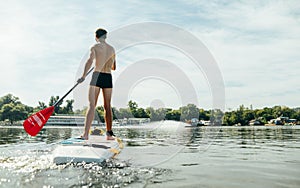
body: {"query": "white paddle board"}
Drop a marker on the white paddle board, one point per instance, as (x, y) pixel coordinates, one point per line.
(95, 150)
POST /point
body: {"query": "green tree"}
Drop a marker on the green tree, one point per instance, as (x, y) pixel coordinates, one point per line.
(133, 106)
(52, 101)
(12, 109)
(296, 114)
(82, 111)
(173, 114)
(156, 114)
(264, 115)
(188, 112)
(41, 105)
(29, 109)
(6, 112)
(100, 114)
(68, 109)
(9, 98)
(216, 116)
(230, 118)
(247, 116)
(123, 113)
(204, 114)
(141, 113)
(277, 111)
(19, 112)
(114, 111)
(286, 112)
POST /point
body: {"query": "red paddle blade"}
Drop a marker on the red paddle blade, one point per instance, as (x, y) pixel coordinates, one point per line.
(35, 122)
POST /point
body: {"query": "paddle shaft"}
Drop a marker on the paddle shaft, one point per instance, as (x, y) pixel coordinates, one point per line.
(57, 102)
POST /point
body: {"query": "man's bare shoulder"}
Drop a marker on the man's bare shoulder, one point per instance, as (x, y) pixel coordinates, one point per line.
(111, 47)
(93, 46)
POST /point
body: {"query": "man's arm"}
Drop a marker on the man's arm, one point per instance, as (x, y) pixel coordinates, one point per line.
(87, 65)
(114, 66)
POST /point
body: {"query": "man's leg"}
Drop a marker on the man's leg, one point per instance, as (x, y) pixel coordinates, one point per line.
(93, 98)
(107, 93)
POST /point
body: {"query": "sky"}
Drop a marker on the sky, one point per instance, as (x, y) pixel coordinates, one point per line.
(254, 44)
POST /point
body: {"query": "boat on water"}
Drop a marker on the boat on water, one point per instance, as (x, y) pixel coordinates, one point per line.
(282, 121)
(78, 120)
(196, 122)
(255, 122)
(206, 123)
(69, 120)
(131, 121)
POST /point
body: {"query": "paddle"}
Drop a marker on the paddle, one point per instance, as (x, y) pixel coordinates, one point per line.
(35, 122)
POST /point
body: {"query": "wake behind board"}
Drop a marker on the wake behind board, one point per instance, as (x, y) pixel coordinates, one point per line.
(95, 150)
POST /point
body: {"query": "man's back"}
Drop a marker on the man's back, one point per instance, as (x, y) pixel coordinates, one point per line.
(105, 57)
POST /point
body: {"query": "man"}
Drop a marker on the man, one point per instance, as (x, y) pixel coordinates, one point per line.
(104, 56)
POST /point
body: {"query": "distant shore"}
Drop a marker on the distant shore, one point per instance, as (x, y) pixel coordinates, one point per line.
(13, 111)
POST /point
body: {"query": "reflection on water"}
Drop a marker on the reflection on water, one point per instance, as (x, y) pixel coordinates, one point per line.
(11, 135)
(160, 157)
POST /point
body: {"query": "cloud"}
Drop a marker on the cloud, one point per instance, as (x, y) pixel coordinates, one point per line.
(256, 44)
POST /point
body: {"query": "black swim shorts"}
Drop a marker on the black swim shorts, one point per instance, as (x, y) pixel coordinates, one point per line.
(102, 80)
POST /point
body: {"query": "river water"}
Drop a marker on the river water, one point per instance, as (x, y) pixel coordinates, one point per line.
(160, 154)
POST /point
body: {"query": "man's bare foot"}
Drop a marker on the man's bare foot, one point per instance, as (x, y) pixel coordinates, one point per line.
(110, 138)
(110, 135)
(84, 137)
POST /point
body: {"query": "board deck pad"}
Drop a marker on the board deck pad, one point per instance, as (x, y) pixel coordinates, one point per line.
(95, 150)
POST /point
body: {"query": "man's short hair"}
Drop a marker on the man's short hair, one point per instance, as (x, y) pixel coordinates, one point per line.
(100, 32)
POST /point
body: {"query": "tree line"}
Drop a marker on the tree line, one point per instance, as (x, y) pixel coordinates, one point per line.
(12, 110)
(243, 115)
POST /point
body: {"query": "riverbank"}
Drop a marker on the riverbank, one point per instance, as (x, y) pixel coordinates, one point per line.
(241, 116)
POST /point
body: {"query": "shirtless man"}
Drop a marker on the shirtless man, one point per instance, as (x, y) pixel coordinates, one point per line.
(104, 56)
